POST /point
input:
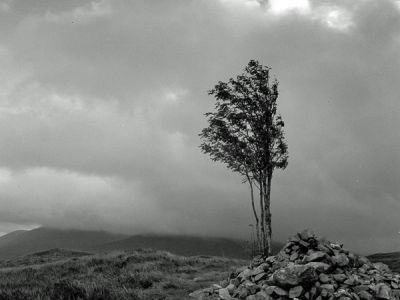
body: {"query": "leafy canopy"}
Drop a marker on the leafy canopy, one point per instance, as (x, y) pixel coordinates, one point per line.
(245, 132)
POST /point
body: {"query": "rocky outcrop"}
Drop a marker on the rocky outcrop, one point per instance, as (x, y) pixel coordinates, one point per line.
(309, 268)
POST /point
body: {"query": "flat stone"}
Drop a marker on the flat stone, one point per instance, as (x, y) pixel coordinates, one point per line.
(257, 271)
(294, 275)
(318, 266)
(304, 244)
(349, 281)
(318, 255)
(262, 295)
(224, 294)
(231, 287)
(360, 288)
(295, 292)
(355, 296)
(324, 278)
(381, 267)
(364, 295)
(327, 287)
(280, 292)
(294, 256)
(259, 277)
(245, 274)
(383, 291)
(340, 259)
(252, 288)
(242, 293)
(306, 234)
(339, 277)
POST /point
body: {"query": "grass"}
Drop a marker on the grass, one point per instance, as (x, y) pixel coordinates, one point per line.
(140, 274)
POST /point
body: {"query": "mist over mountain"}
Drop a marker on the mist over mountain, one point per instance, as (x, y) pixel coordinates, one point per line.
(22, 242)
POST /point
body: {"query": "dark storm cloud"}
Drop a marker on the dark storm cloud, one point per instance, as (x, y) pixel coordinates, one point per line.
(101, 103)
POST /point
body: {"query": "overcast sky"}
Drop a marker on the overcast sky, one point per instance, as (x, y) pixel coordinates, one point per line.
(101, 103)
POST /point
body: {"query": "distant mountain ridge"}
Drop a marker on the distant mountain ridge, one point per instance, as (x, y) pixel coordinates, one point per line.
(392, 259)
(19, 243)
(23, 242)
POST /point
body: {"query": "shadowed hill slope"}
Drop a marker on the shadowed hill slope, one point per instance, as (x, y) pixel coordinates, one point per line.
(20, 243)
(392, 259)
(185, 245)
(40, 239)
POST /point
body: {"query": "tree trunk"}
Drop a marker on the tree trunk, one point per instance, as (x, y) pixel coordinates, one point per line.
(267, 213)
(263, 244)
(258, 242)
(255, 217)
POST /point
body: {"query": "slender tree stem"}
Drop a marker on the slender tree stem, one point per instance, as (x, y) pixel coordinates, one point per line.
(258, 248)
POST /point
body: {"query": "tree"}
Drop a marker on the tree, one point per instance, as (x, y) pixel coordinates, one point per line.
(245, 132)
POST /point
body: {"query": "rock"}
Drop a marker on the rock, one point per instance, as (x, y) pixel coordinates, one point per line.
(383, 291)
(304, 244)
(318, 266)
(327, 287)
(314, 256)
(295, 292)
(235, 282)
(242, 293)
(324, 278)
(275, 290)
(308, 268)
(230, 288)
(306, 234)
(350, 281)
(339, 277)
(252, 288)
(216, 286)
(295, 274)
(381, 267)
(280, 292)
(260, 276)
(354, 296)
(360, 288)
(262, 295)
(364, 295)
(224, 294)
(294, 256)
(245, 274)
(202, 294)
(340, 259)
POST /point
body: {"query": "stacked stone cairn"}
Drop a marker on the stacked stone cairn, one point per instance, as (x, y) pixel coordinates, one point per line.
(309, 268)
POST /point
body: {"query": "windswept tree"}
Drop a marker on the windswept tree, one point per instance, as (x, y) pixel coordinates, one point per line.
(245, 132)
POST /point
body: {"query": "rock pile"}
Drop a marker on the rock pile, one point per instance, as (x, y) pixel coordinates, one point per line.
(309, 268)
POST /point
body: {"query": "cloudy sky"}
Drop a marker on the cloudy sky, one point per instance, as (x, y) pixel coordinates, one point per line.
(101, 103)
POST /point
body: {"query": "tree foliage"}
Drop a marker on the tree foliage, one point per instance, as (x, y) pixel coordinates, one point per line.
(245, 132)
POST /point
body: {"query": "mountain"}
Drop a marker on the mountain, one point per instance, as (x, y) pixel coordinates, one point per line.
(392, 259)
(19, 243)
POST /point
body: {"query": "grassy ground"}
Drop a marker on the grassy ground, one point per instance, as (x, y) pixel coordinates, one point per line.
(142, 274)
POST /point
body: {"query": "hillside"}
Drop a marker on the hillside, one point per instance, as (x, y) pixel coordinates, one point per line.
(20, 243)
(392, 259)
(184, 245)
(40, 239)
(137, 275)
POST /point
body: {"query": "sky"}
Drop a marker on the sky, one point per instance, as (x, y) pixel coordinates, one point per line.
(101, 104)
